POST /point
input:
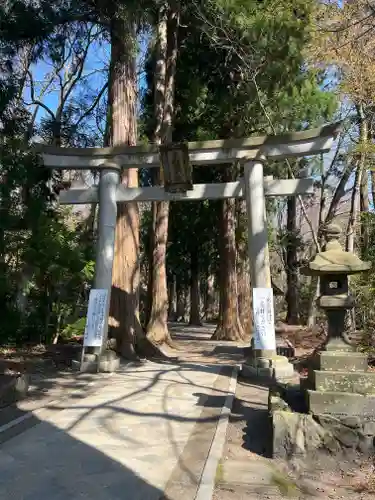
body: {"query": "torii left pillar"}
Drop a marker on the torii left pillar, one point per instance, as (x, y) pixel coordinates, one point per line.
(262, 362)
(93, 358)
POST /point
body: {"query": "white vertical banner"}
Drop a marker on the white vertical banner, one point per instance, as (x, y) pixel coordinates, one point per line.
(95, 321)
(264, 319)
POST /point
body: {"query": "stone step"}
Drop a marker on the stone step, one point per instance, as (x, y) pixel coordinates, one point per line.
(357, 382)
(341, 403)
(342, 361)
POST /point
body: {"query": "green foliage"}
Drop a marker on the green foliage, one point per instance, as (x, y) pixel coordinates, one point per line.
(45, 263)
(75, 329)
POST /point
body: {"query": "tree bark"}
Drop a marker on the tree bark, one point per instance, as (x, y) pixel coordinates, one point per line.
(355, 206)
(373, 185)
(210, 298)
(166, 58)
(195, 318)
(181, 302)
(356, 193)
(124, 308)
(229, 326)
(172, 299)
(243, 270)
(364, 209)
(292, 317)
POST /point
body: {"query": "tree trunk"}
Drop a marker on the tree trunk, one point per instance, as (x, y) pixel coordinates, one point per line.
(229, 326)
(172, 299)
(166, 58)
(244, 296)
(124, 309)
(356, 194)
(244, 288)
(157, 328)
(292, 299)
(181, 302)
(356, 200)
(194, 290)
(339, 192)
(210, 298)
(364, 208)
(373, 186)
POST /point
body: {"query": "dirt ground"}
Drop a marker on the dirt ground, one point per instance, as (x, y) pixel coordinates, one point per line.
(248, 472)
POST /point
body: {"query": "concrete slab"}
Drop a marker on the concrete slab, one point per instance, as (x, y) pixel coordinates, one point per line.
(129, 439)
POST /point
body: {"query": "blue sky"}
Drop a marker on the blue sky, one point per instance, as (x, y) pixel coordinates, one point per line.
(95, 74)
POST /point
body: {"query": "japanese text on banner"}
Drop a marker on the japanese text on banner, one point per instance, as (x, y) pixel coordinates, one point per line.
(97, 309)
(264, 328)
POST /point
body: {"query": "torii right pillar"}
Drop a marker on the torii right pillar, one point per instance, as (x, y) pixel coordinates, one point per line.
(263, 361)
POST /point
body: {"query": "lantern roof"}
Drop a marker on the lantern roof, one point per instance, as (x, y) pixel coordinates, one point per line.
(334, 259)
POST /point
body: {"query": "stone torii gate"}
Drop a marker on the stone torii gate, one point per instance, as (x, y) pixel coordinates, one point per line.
(252, 152)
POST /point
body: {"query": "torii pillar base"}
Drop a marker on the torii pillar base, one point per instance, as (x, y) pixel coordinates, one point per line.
(107, 362)
(267, 365)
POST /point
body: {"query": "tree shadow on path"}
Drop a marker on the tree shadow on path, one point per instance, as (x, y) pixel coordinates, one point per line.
(54, 465)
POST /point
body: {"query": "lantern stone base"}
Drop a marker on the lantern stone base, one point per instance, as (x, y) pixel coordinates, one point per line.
(109, 362)
(341, 361)
(343, 374)
(267, 365)
(344, 381)
(341, 403)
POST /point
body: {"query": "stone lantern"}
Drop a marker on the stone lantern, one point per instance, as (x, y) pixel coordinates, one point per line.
(333, 266)
(342, 386)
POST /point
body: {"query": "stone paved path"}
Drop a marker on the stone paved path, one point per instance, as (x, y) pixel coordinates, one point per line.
(143, 433)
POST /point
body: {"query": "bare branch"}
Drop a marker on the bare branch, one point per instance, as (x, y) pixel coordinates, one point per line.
(93, 106)
(78, 70)
(34, 101)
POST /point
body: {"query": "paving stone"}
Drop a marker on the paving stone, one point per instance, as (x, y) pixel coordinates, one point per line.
(122, 441)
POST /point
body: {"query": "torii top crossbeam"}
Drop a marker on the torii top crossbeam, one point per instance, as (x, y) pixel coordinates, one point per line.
(309, 142)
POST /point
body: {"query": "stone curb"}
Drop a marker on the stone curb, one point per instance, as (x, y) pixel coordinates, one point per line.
(207, 483)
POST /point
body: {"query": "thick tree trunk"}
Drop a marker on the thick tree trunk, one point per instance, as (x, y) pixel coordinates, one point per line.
(229, 326)
(243, 270)
(157, 328)
(194, 290)
(166, 58)
(244, 297)
(292, 299)
(124, 310)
